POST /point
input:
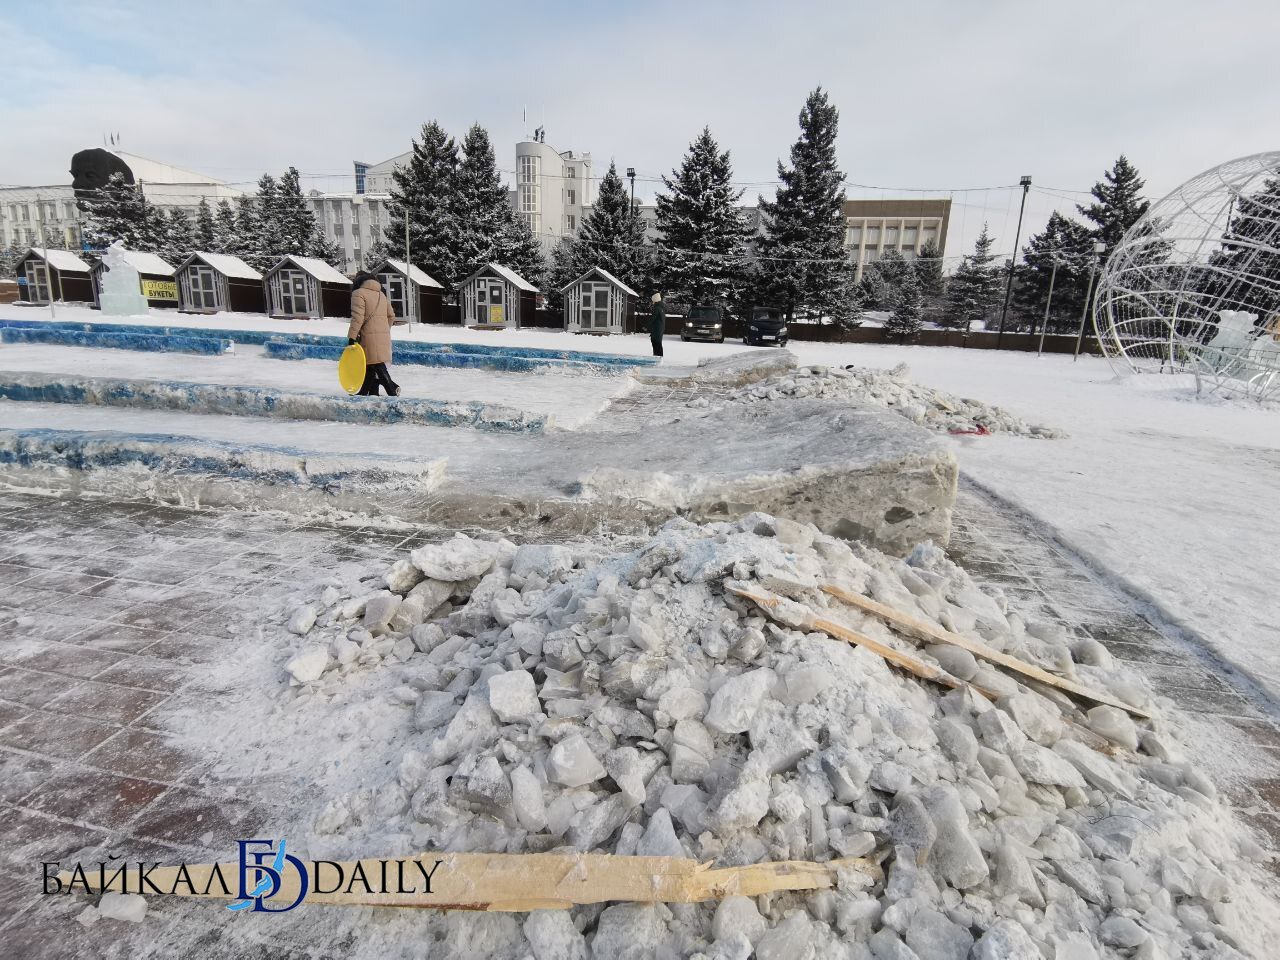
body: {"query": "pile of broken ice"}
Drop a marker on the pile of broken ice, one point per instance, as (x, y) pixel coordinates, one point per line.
(894, 389)
(577, 698)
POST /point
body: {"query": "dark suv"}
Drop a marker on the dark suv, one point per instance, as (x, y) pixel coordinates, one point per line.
(704, 323)
(767, 325)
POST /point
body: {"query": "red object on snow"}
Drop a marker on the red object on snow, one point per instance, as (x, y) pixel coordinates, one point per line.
(978, 431)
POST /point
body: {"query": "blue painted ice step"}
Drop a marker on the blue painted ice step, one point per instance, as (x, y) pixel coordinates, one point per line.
(248, 401)
(261, 337)
(148, 342)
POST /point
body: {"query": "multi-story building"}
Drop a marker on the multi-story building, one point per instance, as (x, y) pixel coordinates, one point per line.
(874, 226)
(553, 191)
(24, 210)
(352, 221)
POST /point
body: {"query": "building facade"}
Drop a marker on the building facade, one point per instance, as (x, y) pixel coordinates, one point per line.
(874, 226)
(553, 190)
(353, 222)
(24, 210)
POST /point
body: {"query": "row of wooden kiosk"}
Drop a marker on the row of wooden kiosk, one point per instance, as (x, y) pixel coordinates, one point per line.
(493, 297)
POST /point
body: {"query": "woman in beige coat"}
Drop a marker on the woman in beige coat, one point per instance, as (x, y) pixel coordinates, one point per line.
(371, 320)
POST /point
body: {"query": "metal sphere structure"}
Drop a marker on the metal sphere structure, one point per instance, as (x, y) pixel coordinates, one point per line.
(1194, 286)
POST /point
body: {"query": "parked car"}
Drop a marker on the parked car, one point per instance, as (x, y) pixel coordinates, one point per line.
(767, 325)
(704, 323)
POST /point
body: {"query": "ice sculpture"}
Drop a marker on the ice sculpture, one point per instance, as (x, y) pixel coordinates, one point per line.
(121, 293)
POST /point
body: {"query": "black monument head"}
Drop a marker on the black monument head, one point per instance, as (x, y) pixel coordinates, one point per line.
(91, 169)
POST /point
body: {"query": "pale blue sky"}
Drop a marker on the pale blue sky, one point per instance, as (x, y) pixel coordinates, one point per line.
(932, 94)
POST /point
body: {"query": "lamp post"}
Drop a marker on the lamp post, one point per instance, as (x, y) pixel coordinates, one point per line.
(1025, 182)
(1098, 248)
(631, 175)
(1053, 275)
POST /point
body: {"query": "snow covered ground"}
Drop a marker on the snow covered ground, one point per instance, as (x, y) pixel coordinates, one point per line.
(1174, 496)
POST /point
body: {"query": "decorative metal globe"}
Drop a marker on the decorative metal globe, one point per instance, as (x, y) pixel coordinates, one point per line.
(1194, 286)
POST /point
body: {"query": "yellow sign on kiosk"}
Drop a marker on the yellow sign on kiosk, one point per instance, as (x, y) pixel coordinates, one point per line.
(351, 367)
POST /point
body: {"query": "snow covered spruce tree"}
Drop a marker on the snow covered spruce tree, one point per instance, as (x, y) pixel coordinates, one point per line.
(973, 292)
(224, 229)
(1070, 244)
(882, 279)
(488, 228)
(296, 227)
(933, 284)
(266, 242)
(179, 235)
(120, 211)
(803, 266)
(611, 236)
(245, 240)
(702, 257)
(905, 319)
(1119, 203)
(423, 191)
(1247, 250)
(205, 234)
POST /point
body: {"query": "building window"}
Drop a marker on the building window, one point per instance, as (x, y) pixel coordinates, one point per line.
(910, 237)
(571, 197)
(26, 213)
(871, 254)
(70, 209)
(571, 173)
(362, 170)
(528, 171)
(891, 237)
(339, 230)
(873, 236)
(931, 235)
(570, 223)
(908, 253)
(528, 198)
(533, 222)
(853, 236)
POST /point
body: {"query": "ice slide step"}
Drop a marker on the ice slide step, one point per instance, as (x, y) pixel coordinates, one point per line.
(260, 337)
(148, 342)
(168, 455)
(249, 401)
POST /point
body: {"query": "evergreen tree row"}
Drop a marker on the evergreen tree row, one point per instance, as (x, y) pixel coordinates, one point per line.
(263, 227)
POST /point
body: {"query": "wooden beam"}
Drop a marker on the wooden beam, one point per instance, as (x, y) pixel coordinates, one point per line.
(505, 882)
(933, 633)
(772, 603)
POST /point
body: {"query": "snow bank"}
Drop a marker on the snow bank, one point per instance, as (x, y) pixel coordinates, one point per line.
(584, 698)
(894, 388)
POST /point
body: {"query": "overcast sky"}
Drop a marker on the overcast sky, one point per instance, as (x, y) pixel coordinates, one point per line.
(932, 95)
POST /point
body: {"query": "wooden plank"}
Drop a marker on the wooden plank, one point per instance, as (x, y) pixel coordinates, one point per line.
(504, 882)
(770, 603)
(936, 634)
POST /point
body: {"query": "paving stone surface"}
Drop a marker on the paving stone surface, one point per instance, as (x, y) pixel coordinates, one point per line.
(108, 611)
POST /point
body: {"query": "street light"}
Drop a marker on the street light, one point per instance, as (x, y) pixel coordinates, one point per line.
(631, 175)
(1098, 248)
(1025, 183)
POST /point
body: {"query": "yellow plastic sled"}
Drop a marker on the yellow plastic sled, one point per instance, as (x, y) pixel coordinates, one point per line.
(351, 366)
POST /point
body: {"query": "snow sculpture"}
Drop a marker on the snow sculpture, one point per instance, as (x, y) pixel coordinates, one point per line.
(121, 294)
(1194, 286)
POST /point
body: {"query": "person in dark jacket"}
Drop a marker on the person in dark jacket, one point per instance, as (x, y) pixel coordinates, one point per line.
(371, 321)
(657, 324)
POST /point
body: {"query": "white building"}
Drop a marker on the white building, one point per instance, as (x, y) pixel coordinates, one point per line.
(352, 221)
(553, 189)
(24, 209)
